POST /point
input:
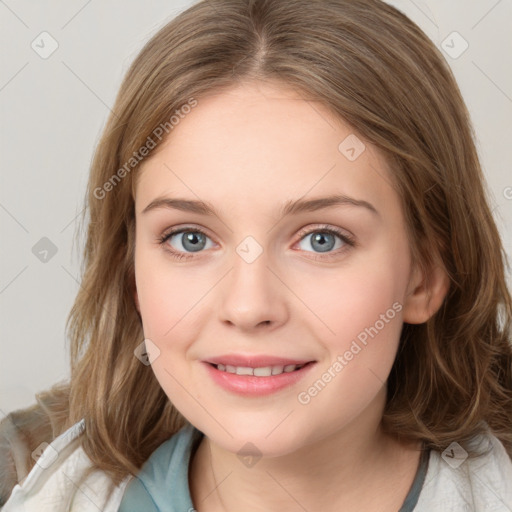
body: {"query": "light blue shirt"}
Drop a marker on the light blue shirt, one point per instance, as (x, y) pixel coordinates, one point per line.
(162, 483)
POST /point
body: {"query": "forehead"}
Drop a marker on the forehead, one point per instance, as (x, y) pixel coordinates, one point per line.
(259, 144)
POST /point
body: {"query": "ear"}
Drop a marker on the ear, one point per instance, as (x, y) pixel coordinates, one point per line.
(425, 296)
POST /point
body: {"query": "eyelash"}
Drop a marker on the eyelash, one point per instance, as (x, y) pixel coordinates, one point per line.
(303, 233)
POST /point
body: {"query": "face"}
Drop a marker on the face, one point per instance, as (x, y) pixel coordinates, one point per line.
(323, 286)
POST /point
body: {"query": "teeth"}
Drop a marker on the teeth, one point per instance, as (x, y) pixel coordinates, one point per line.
(242, 370)
(265, 371)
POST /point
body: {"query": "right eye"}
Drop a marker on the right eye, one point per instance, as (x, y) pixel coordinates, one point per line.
(192, 239)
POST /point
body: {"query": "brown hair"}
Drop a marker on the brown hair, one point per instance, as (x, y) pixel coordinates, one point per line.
(375, 69)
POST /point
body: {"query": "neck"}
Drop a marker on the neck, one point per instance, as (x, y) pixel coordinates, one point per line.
(357, 467)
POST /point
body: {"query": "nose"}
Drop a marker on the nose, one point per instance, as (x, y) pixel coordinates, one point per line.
(253, 296)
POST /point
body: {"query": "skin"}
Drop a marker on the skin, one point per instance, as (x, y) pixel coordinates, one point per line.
(247, 151)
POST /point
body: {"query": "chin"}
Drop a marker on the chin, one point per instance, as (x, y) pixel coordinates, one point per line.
(268, 440)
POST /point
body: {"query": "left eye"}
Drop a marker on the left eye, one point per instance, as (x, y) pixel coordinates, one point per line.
(323, 240)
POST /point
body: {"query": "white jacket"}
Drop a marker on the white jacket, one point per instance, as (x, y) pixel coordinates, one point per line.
(482, 484)
(51, 485)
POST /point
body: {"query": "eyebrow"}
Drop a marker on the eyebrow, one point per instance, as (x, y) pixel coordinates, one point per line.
(289, 208)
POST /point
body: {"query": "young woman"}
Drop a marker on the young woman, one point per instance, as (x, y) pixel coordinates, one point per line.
(294, 291)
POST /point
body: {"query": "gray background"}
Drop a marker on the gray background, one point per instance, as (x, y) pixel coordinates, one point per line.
(52, 113)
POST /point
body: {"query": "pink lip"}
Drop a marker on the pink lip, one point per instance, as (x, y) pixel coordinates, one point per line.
(249, 385)
(255, 361)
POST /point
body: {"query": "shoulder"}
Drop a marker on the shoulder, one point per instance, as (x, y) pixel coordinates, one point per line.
(21, 431)
(13, 457)
(458, 482)
(54, 483)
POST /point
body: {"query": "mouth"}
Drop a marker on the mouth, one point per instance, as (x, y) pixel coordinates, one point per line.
(257, 381)
(261, 371)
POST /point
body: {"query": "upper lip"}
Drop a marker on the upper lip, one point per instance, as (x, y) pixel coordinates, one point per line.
(255, 361)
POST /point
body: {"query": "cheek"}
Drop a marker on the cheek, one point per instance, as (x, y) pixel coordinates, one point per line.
(361, 321)
(169, 304)
(359, 309)
(347, 302)
(167, 294)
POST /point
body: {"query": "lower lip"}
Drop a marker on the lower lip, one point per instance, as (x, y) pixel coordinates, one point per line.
(256, 386)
